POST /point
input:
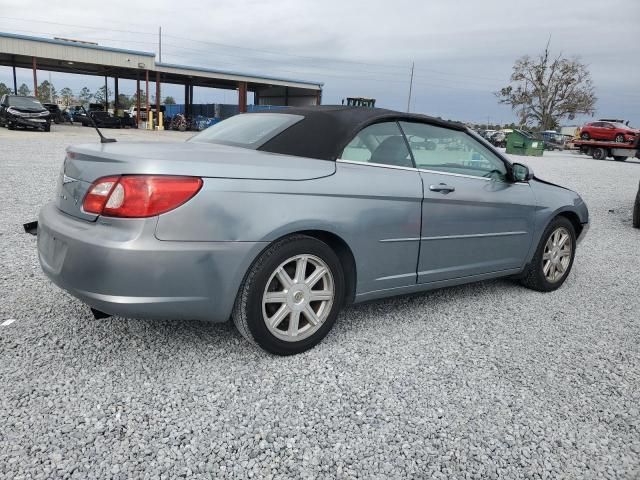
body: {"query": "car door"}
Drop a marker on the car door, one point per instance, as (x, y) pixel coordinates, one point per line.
(474, 219)
(381, 207)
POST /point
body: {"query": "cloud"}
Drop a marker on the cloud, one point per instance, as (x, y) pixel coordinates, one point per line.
(463, 50)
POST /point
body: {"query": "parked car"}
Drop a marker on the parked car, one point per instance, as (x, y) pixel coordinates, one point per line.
(261, 219)
(101, 118)
(55, 112)
(27, 112)
(552, 140)
(498, 139)
(608, 131)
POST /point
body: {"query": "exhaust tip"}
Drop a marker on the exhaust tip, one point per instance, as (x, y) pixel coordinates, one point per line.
(97, 314)
(31, 227)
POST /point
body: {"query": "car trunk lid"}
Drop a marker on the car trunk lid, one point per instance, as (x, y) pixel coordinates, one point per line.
(86, 163)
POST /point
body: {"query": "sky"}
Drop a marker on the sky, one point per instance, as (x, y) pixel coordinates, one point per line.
(463, 50)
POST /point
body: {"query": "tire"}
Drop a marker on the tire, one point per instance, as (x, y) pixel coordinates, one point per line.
(533, 276)
(10, 125)
(585, 136)
(251, 312)
(599, 153)
(47, 128)
(636, 210)
(619, 138)
(620, 158)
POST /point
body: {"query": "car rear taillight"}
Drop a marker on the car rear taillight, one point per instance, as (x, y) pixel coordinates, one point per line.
(138, 196)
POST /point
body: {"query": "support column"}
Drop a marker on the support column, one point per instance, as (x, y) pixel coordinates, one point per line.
(146, 73)
(190, 100)
(138, 100)
(106, 95)
(117, 95)
(318, 97)
(35, 77)
(242, 97)
(186, 100)
(158, 94)
(15, 84)
(286, 96)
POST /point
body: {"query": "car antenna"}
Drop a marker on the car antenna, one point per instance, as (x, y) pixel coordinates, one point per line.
(103, 139)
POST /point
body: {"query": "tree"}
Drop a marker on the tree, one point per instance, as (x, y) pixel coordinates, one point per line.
(143, 98)
(4, 90)
(544, 90)
(100, 96)
(24, 90)
(46, 92)
(124, 101)
(67, 96)
(85, 95)
(169, 100)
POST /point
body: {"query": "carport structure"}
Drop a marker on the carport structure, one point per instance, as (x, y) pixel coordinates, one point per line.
(85, 58)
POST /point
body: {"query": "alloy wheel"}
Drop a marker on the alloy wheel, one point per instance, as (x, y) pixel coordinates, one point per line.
(557, 255)
(298, 298)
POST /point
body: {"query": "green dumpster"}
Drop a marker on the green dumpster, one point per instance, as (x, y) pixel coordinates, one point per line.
(521, 143)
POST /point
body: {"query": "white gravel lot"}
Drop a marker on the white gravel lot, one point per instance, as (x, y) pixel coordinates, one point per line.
(481, 381)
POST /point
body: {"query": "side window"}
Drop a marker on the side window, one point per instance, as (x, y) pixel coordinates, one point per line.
(379, 143)
(452, 151)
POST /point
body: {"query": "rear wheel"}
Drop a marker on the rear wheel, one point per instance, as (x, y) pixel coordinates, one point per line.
(553, 259)
(585, 136)
(619, 138)
(599, 153)
(291, 296)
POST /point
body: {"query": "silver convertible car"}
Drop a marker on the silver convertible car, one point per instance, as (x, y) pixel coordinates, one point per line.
(278, 219)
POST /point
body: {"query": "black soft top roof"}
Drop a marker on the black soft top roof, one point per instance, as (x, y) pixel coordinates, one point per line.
(326, 130)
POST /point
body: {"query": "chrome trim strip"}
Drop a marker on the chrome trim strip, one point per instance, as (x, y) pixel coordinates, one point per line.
(473, 235)
(393, 167)
(437, 172)
(389, 240)
(448, 237)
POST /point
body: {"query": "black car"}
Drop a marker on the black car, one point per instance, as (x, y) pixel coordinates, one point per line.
(56, 114)
(28, 112)
(101, 118)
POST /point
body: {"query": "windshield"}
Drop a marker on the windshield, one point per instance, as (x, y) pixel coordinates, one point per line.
(25, 102)
(622, 125)
(249, 130)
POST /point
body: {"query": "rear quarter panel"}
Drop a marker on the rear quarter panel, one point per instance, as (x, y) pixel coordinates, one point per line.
(362, 205)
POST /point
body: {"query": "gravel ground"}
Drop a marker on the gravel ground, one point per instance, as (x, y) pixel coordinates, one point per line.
(482, 381)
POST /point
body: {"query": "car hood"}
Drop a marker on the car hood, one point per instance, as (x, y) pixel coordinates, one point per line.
(90, 161)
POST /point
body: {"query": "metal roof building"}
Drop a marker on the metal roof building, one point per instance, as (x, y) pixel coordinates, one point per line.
(70, 56)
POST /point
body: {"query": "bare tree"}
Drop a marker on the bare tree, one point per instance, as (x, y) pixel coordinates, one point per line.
(545, 90)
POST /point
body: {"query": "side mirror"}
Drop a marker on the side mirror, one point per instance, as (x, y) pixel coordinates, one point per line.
(521, 173)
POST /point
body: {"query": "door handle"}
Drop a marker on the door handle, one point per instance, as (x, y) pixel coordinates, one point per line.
(442, 188)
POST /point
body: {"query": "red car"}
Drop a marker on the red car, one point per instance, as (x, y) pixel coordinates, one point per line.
(610, 131)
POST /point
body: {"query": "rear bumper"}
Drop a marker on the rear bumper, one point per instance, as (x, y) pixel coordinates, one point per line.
(118, 266)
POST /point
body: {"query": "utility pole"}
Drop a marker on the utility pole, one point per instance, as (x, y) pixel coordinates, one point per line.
(160, 44)
(50, 89)
(410, 88)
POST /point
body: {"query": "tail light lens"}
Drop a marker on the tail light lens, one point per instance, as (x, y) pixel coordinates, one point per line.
(139, 196)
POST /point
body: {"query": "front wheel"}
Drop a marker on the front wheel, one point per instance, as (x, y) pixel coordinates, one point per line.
(291, 296)
(619, 138)
(553, 259)
(585, 136)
